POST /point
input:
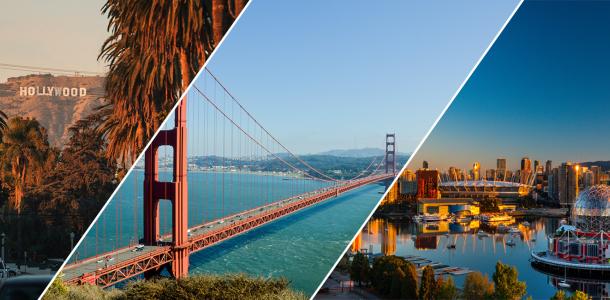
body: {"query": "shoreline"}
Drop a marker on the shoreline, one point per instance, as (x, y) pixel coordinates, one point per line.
(276, 174)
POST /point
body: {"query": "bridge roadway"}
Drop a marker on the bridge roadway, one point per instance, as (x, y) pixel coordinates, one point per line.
(112, 267)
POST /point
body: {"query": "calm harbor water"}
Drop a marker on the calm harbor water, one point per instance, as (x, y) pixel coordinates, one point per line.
(402, 238)
(309, 240)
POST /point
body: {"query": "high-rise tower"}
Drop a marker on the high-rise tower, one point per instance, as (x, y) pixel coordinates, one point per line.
(476, 171)
(501, 168)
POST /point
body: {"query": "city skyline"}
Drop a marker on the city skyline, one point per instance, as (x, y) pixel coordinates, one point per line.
(540, 113)
(486, 165)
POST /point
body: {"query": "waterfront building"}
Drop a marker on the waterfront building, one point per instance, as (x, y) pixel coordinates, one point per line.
(591, 211)
(405, 189)
(483, 189)
(407, 185)
(584, 246)
(447, 206)
(408, 175)
(427, 183)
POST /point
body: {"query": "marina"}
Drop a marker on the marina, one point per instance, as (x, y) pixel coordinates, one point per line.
(458, 248)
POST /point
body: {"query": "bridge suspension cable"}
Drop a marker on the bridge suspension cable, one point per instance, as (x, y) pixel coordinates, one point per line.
(233, 98)
(254, 139)
(363, 172)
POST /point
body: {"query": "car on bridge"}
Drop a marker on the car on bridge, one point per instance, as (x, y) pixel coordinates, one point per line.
(24, 287)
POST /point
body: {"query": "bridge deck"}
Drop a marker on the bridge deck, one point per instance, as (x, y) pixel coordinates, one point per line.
(112, 267)
(101, 262)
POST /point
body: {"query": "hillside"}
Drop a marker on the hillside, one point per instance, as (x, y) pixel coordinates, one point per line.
(363, 152)
(605, 165)
(334, 166)
(42, 97)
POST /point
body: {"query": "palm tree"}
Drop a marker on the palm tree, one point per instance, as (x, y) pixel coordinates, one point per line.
(154, 50)
(24, 150)
(3, 124)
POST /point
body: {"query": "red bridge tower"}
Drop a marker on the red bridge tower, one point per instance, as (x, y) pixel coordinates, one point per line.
(390, 153)
(175, 191)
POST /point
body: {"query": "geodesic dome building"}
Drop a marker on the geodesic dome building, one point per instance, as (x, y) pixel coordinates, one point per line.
(591, 212)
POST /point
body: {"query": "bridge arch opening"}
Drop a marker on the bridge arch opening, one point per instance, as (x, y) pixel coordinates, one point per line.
(165, 163)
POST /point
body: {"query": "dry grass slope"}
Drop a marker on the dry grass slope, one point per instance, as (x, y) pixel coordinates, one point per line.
(195, 287)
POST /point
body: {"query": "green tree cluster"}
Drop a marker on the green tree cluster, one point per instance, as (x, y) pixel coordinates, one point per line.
(359, 269)
(505, 285)
(578, 295)
(394, 277)
(477, 287)
(446, 289)
(51, 191)
(427, 287)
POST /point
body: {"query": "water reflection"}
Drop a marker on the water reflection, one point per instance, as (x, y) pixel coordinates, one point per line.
(473, 245)
(597, 289)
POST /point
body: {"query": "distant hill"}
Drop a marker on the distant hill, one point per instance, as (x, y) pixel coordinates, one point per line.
(334, 166)
(56, 102)
(604, 164)
(363, 152)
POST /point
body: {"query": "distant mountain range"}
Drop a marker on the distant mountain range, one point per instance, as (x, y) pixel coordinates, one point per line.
(363, 152)
(604, 164)
(334, 166)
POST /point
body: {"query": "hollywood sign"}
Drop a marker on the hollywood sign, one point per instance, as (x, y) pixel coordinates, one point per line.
(52, 91)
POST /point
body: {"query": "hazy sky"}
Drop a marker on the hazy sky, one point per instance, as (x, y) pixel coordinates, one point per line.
(543, 91)
(65, 34)
(324, 75)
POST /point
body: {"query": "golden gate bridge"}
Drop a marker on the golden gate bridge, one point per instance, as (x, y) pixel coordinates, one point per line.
(222, 183)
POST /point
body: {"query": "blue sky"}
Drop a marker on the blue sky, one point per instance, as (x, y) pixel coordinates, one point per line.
(542, 91)
(324, 75)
